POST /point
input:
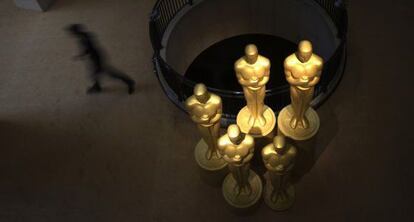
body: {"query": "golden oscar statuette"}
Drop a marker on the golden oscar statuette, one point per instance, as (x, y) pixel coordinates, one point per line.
(303, 70)
(242, 188)
(279, 157)
(205, 109)
(252, 71)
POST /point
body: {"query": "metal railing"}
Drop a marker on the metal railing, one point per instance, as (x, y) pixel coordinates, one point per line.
(178, 87)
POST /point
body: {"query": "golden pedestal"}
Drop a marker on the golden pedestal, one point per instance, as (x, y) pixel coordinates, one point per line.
(256, 130)
(213, 164)
(299, 133)
(244, 199)
(281, 201)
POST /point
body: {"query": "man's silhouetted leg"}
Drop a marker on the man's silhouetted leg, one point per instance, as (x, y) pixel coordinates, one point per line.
(123, 77)
(96, 87)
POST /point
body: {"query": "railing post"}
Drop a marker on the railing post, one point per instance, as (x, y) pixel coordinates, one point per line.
(154, 32)
(154, 15)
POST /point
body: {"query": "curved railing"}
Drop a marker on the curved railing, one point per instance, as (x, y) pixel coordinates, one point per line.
(177, 86)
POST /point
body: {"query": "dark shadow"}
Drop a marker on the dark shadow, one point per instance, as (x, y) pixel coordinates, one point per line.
(36, 159)
(309, 151)
(213, 178)
(245, 212)
(98, 64)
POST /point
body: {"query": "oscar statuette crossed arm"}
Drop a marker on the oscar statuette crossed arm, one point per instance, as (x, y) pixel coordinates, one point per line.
(294, 81)
(315, 79)
(266, 76)
(267, 161)
(190, 105)
(263, 81)
(237, 160)
(318, 66)
(199, 120)
(215, 118)
(241, 79)
(249, 156)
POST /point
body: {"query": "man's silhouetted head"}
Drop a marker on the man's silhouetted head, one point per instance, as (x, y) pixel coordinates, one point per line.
(75, 29)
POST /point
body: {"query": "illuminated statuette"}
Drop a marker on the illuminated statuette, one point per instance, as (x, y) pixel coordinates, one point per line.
(205, 109)
(252, 71)
(279, 157)
(242, 188)
(303, 69)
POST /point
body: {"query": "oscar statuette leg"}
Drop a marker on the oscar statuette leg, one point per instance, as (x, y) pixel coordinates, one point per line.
(260, 107)
(279, 194)
(295, 103)
(249, 113)
(256, 118)
(246, 197)
(307, 98)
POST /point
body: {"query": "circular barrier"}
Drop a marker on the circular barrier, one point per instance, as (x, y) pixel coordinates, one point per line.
(198, 41)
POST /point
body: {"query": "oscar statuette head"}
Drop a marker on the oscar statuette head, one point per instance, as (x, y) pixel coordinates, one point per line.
(201, 93)
(235, 136)
(305, 51)
(251, 53)
(279, 142)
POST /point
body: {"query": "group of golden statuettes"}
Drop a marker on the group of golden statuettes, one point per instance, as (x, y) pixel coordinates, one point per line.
(242, 188)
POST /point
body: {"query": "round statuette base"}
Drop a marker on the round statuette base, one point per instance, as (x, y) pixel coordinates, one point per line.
(213, 164)
(256, 128)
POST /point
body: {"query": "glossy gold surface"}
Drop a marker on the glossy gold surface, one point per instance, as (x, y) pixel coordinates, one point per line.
(205, 110)
(242, 187)
(279, 159)
(252, 71)
(302, 70)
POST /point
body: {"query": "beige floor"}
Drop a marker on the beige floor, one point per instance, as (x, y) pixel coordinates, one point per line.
(68, 156)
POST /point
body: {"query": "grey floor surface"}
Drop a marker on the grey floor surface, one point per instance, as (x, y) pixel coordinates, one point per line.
(68, 156)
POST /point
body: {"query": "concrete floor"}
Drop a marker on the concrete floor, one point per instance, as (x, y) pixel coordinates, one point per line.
(68, 156)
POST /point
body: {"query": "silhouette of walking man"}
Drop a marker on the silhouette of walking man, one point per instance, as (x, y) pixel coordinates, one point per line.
(98, 65)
